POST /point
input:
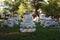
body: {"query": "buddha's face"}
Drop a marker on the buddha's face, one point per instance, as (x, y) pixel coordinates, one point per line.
(27, 12)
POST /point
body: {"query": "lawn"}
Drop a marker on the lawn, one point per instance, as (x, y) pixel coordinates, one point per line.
(40, 34)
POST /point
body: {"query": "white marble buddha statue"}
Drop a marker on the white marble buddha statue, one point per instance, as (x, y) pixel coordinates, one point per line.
(27, 22)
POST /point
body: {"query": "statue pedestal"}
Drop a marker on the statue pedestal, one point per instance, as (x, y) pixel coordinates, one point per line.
(27, 27)
(27, 30)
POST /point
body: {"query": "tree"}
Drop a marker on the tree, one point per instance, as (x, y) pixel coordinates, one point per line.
(14, 4)
(52, 8)
(37, 5)
(25, 5)
(22, 9)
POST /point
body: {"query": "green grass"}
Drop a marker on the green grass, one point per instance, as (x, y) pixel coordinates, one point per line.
(40, 34)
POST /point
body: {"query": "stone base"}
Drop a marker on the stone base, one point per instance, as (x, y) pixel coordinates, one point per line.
(28, 27)
(27, 30)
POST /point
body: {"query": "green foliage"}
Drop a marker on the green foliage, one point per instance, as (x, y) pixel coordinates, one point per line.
(14, 5)
(51, 9)
(22, 8)
(19, 6)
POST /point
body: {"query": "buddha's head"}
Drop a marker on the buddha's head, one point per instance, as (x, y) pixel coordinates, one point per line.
(28, 12)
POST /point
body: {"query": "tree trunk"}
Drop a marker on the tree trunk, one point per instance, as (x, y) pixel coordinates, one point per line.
(36, 8)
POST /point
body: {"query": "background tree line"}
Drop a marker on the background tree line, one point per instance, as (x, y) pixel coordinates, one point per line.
(20, 6)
